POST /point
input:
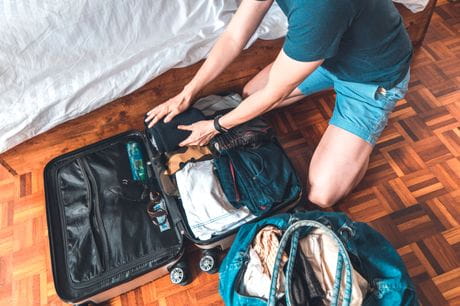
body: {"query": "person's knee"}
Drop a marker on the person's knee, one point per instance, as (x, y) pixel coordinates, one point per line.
(323, 191)
(321, 197)
(257, 82)
(248, 89)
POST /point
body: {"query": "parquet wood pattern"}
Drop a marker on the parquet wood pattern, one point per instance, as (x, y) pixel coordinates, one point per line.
(411, 193)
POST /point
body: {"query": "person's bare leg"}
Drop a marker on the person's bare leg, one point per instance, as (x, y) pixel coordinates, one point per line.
(337, 166)
(257, 82)
(260, 80)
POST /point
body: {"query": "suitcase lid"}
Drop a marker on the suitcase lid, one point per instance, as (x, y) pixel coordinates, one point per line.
(100, 236)
(67, 288)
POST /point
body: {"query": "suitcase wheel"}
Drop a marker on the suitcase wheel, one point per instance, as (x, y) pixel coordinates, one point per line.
(209, 261)
(179, 274)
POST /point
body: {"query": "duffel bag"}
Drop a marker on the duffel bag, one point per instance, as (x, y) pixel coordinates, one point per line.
(358, 250)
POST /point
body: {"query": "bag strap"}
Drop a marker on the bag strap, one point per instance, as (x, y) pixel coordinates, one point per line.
(343, 262)
(291, 263)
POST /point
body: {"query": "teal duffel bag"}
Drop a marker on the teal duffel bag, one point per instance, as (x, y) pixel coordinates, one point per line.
(360, 248)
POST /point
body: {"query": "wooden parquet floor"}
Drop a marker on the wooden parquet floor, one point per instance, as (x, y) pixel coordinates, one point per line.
(411, 193)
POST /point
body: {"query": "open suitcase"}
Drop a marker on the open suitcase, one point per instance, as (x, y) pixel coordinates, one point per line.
(100, 251)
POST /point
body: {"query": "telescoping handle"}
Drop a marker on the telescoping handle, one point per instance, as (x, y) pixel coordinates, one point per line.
(343, 262)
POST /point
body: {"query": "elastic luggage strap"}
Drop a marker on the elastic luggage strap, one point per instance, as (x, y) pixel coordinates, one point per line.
(342, 260)
(235, 186)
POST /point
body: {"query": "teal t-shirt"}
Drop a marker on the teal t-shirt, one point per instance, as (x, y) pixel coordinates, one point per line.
(360, 40)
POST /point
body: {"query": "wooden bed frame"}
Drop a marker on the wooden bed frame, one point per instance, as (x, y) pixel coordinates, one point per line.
(417, 24)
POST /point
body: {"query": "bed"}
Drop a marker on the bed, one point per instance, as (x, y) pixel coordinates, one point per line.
(62, 59)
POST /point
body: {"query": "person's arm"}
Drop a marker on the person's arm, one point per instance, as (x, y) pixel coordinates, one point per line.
(285, 75)
(314, 34)
(229, 45)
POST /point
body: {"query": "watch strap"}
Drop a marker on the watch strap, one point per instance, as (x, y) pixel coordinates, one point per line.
(217, 125)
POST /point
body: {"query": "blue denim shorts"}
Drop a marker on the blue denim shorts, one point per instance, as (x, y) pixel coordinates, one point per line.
(361, 109)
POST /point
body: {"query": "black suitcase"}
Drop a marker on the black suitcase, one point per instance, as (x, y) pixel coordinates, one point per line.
(104, 244)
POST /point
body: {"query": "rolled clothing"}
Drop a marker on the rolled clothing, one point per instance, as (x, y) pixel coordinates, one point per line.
(305, 287)
(166, 137)
(253, 134)
(206, 207)
(266, 245)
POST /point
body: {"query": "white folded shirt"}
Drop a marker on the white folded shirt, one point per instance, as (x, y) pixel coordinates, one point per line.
(207, 209)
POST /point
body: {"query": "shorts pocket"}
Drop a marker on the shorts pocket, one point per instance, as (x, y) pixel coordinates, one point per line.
(389, 98)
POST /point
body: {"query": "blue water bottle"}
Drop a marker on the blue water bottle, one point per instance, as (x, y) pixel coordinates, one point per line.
(136, 161)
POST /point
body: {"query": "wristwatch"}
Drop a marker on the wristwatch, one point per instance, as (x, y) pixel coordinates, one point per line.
(217, 125)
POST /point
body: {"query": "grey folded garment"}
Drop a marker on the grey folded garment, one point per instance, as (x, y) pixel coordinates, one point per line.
(211, 104)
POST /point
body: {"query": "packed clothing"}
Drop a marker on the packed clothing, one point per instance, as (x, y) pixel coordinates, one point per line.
(314, 276)
(242, 174)
(313, 258)
(207, 211)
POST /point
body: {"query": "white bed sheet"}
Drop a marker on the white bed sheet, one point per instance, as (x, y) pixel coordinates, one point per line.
(60, 59)
(415, 6)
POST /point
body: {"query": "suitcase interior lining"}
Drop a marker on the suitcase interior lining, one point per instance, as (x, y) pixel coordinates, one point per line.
(103, 231)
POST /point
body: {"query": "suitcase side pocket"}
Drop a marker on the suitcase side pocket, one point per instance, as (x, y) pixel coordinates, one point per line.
(83, 244)
(96, 218)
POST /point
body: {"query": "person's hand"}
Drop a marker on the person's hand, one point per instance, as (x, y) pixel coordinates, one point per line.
(169, 109)
(202, 132)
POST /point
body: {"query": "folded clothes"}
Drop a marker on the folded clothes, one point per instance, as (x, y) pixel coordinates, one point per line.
(252, 134)
(257, 178)
(207, 210)
(178, 159)
(257, 283)
(211, 104)
(166, 137)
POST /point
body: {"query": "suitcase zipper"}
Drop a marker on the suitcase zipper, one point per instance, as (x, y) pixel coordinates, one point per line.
(97, 218)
